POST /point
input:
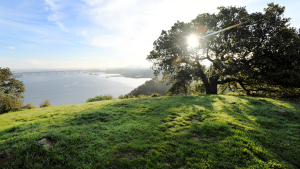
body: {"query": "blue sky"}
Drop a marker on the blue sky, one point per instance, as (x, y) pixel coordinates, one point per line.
(64, 34)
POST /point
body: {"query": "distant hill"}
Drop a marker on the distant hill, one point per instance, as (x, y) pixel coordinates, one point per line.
(137, 67)
(151, 86)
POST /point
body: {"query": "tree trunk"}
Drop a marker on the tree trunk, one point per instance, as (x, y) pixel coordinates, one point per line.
(212, 86)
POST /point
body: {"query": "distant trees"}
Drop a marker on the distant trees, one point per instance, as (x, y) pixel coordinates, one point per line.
(11, 91)
(262, 55)
(126, 96)
(100, 98)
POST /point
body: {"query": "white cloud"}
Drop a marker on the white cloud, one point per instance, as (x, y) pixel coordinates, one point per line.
(55, 19)
(52, 4)
(94, 2)
(57, 16)
(11, 47)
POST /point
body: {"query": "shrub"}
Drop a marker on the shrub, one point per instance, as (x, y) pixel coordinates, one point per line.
(131, 95)
(29, 106)
(142, 96)
(121, 97)
(155, 95)
(127, 96)
(46, 103)
(9, 103)
(90, 100)
(99, 98)
(107, 97)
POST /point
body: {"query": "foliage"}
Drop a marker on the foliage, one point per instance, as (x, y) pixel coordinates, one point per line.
(9, 103)
(262, 55)
(29, 106)
(121, 97)
(151, 86)
(46, 103)
(100, 98)
(10, 85)
(198, 88)
(155, 95)
(195, 131)
(11, 91)
(126, 96)
(142, 96)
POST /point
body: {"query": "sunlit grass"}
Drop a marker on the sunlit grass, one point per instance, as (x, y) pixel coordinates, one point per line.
(196, 131)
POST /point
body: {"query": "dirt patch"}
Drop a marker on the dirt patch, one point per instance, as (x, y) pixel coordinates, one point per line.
(46, 142)
(195, 138)
(195, 121)
(280, 112)
(6, 156)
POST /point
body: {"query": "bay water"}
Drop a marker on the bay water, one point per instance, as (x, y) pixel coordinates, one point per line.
(74, 88)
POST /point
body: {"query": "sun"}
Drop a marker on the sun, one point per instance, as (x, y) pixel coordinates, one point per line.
(192, 41)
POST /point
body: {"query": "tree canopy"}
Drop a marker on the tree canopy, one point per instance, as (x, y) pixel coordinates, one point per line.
(260, 55)
(11, 91)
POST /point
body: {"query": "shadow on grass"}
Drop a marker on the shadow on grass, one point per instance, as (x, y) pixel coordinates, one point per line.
(165, 132)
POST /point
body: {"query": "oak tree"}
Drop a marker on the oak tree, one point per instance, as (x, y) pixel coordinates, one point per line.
(260, 55)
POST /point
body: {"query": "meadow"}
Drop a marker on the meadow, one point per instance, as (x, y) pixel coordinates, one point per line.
(194, 131)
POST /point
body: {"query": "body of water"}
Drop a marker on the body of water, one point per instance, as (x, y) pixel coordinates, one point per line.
(74, 88)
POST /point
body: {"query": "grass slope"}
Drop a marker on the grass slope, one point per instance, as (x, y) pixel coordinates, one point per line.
(196, 131)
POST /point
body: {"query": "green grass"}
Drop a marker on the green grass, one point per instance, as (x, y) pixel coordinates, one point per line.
(196, 131)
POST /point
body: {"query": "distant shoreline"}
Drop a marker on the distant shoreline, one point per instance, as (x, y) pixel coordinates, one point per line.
(128, 73)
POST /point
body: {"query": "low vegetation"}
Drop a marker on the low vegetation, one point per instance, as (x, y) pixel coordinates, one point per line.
(9, 103)
(46, 103)
(29, 106)
(195, 131)
(126, 96)
(100, 98)
(155, 95)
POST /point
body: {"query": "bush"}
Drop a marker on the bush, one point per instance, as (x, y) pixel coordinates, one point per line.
(131, 95)
(155, 95)
(46, 103)
(126, 96)
(142, 96)
(9, 103)
(29, 106)
(99, 98)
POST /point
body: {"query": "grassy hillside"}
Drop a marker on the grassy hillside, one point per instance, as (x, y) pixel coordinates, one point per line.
(196, 131)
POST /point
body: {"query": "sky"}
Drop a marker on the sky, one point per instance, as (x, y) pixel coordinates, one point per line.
(71, 34)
